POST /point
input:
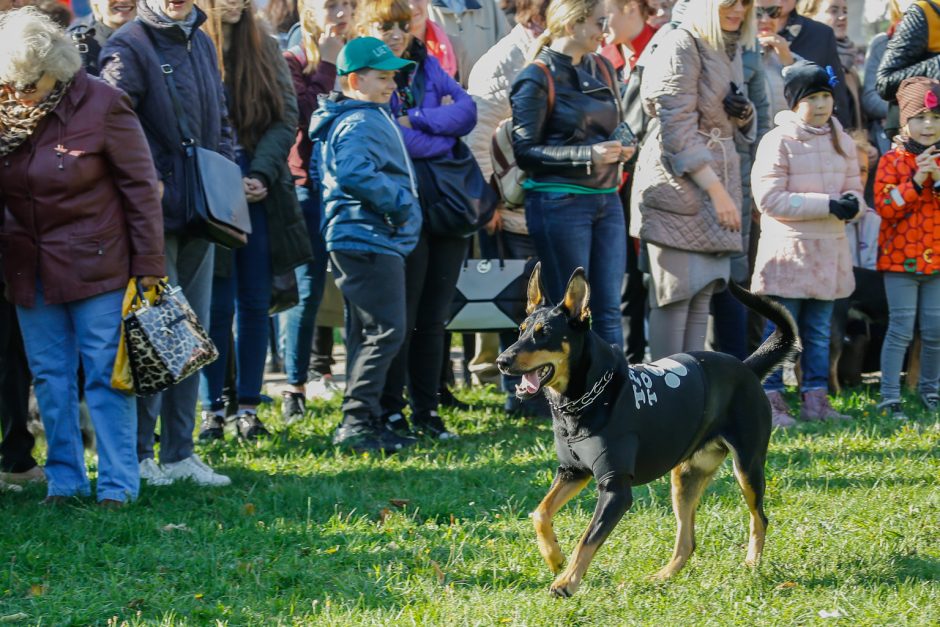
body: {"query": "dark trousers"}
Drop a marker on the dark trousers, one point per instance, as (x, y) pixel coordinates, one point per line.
(431, 272)
(633, 297)
(373, 286)
(16, 450)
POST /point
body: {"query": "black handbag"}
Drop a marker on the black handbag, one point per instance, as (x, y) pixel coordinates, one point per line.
(455, 198)
(491, 293)
(165, 342)
(284, 293)
(216, 206)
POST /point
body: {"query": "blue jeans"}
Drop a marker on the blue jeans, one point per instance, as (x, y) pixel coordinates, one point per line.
(814, 318)
(587, 230)
(247, 288)
(300, 321)
(56, 338)
(909, 294)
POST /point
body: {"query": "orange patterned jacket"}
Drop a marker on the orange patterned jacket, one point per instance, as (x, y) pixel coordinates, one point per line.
(910, 219)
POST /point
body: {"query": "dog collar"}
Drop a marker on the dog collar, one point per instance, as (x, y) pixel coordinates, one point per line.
(572, 408)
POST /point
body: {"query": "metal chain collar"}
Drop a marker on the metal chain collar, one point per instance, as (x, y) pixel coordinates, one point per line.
(578, 405)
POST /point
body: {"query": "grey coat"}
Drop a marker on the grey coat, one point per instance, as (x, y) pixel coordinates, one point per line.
(690, 133)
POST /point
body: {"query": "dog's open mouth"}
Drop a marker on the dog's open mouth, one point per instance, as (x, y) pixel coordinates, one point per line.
(533, 381)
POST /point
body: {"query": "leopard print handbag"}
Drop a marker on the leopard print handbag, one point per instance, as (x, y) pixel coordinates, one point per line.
(165, 342)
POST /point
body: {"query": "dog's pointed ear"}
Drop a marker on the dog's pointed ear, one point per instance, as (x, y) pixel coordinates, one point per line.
(536, 291)
(577, 296)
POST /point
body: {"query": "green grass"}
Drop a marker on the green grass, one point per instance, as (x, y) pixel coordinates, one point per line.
(307, 535)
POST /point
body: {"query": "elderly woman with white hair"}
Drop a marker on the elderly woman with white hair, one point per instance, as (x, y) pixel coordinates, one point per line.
(82, 215)
(687, 183)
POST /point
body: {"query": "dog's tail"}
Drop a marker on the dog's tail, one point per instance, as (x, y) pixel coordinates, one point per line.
(783, 345)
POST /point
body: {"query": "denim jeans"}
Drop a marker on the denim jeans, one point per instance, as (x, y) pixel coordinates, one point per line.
(189, 262)
(814, 318)
(587, 230)
(908, 295)
(247, 288)
(300, 321)
(57, 338)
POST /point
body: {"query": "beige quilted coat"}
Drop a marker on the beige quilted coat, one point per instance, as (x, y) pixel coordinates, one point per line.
(683, 87)
(803, 251)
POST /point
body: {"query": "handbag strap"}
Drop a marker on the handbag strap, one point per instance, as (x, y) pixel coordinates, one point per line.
(186, 137)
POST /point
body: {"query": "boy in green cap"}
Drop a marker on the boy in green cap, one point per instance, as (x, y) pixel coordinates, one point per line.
(371, 221)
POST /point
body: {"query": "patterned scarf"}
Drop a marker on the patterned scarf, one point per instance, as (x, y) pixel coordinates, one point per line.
(731, 39)
(18, 121)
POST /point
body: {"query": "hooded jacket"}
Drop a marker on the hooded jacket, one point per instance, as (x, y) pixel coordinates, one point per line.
(129, 62)
(370, 195)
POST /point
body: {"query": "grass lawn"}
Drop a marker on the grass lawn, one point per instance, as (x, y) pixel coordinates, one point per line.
(440, 535)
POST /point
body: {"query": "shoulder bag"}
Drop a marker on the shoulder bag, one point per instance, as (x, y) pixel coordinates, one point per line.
(216, 207)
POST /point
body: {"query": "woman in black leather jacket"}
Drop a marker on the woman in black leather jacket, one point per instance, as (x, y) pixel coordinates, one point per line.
(574, 167)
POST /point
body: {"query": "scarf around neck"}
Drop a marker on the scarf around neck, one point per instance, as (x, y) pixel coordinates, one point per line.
(730, 38)
(187, 23)
(847, 50)
(913, 147)
(18, 121)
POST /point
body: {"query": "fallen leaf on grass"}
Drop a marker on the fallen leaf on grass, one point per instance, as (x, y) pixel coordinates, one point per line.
(198, 596)
(134, 604)
(384, 513)
(331, 550)
(399, 503)
(12, 618)
(249, 509)
(831, 614)
(787, 585)
(175, 527)
(37, 590)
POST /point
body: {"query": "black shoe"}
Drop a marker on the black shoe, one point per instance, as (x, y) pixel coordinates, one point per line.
(250, 427)
(397, 424)
(293, 407)
(931, 401)
(212, 427)
(363, 437)
(431, 425)
(449, 400)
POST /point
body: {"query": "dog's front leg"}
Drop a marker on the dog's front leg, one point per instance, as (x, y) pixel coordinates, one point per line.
(567, 484)
(614, 499)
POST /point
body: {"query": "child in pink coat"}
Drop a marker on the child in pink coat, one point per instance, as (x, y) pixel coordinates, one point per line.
(806, 185)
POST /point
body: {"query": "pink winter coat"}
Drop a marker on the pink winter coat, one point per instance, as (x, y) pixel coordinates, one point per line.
(803, 251)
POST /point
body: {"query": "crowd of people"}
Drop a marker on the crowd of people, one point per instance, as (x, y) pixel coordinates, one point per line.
(665, 148)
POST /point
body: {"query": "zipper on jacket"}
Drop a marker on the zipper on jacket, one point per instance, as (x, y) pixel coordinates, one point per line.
(401, 142)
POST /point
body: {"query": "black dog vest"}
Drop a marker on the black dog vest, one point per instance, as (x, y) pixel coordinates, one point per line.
(641, 425)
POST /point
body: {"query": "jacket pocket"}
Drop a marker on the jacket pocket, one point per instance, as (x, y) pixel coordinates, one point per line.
(660, 189)
(101, 256)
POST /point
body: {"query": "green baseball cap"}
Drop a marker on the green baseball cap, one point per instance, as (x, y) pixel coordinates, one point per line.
(368, 52)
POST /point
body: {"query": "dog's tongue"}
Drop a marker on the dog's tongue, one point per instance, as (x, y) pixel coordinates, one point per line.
(530, 382)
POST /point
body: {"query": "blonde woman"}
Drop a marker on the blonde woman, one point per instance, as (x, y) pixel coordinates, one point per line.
(572, 208)
(324, 26)
(687, 191)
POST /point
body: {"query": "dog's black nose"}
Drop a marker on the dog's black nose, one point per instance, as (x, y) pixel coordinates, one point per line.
(504, 361)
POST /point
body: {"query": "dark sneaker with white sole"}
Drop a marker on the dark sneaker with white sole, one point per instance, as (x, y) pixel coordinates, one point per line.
(892, 409)
(362, 437)
(397, 424)
(212, 427)
(431, 425)
(931, 401)
(249, 426)
(293, 407)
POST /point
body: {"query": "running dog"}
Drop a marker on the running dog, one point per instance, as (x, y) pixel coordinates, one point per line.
(628, 425)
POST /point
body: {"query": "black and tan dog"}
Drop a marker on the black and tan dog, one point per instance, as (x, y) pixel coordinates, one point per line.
(628, 425)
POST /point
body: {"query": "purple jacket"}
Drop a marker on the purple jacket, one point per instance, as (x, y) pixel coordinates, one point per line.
(435, 129)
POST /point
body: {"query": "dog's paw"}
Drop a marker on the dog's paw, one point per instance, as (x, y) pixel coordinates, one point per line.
(555, 561)
(564, 586)
(666, 572)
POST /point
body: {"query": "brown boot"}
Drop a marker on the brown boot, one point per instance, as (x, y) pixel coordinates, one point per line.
(816, 407)
(780, 412)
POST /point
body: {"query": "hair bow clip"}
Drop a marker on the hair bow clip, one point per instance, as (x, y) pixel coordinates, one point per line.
(930, 100)
(833, 79)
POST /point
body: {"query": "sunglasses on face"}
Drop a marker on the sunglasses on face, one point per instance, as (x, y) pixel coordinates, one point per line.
(387, 27)
(770, 12)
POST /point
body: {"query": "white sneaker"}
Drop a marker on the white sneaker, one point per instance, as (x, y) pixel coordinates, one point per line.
(195, 469)
(324, 388)
(153, 474)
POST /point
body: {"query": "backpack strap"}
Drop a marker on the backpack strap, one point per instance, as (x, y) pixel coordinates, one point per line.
(551, 84)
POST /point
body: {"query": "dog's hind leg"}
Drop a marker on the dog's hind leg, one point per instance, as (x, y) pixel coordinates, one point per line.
(614, 498)
(567, 484)
(749, 471)
(689, 480)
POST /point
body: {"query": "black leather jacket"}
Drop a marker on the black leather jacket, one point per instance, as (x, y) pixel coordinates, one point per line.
(907, 54)
(556, 148)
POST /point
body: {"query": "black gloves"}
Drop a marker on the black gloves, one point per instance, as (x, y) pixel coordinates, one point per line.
(845, 208)
(736, 105)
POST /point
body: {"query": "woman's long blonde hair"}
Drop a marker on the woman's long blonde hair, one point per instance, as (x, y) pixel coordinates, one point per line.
(702, 18)
(310, 32)
(559, 15)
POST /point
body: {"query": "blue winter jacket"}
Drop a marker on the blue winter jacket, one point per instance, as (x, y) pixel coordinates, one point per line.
(128, 61)
(370, 196)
